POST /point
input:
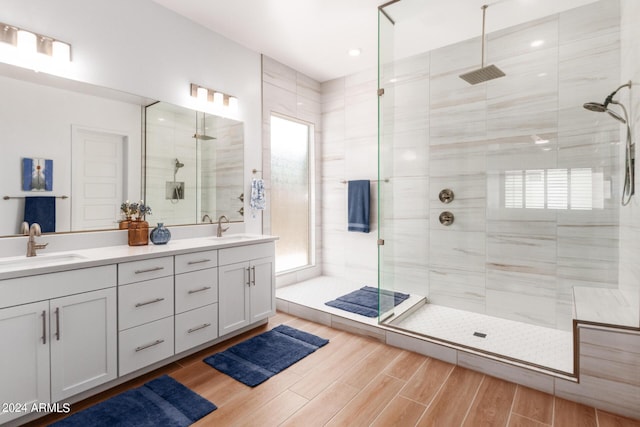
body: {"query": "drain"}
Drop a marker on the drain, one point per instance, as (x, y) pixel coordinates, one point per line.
(479, 334)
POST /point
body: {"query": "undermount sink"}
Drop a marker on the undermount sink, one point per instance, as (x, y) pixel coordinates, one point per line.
(18, 263)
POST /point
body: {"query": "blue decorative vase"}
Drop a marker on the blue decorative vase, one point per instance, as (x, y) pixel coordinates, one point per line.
(160, 235)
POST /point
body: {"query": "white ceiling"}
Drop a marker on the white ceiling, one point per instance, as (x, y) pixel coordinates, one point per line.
(314, 36)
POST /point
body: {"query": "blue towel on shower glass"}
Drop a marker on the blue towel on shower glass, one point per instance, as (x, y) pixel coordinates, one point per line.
(41, 210)
(358, 206)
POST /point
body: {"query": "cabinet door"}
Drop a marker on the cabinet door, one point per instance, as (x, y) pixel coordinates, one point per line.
(83, 342)
(233, 299)
(24, 359)
(263, 299)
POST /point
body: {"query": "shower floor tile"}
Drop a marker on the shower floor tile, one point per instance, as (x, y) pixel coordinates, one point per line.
(315, 292)
(544, 347)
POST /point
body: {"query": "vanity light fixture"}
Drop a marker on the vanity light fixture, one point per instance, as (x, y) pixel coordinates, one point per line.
(27, 43)
(218, 99)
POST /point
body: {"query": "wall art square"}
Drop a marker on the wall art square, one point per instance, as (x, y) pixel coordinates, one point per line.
(37, 174)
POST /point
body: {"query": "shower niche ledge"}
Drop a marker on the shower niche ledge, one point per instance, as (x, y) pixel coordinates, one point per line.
(610, 307)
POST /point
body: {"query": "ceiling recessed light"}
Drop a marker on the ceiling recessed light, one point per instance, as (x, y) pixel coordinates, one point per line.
(537, 43)
(355, 52)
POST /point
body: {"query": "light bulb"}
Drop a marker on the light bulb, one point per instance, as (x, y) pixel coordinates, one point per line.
(202, 94)
(27, 42)
(61, 51)
(218, 99)
(233, 103)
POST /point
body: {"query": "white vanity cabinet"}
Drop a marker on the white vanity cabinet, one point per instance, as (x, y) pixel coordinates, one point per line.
(24, 359)
(246, 282)
(61, 345)
(196, 293)
(145, 312)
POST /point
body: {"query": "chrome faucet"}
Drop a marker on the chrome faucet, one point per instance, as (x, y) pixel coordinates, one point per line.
(32, 246)
(220, 229)
(207, 217)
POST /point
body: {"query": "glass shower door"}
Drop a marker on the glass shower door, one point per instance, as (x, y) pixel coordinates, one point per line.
(386, 239)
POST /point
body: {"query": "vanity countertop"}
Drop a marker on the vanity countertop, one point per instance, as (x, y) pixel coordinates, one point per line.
(21, 266)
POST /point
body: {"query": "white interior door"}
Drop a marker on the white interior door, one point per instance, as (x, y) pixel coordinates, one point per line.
(98, 181)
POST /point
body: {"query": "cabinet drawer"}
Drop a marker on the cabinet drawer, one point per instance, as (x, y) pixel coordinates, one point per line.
(146, 344)
(196, 289)
(145, 302)
(196, 261)
(23, 290)
(196, 327)
(244, 253)
(146, 269)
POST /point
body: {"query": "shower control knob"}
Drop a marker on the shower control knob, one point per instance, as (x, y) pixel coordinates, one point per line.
(446, 218)
(446, 196)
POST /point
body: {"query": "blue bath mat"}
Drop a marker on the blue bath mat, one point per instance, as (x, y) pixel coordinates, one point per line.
(364, 301)
(257, 359)
(161, 402)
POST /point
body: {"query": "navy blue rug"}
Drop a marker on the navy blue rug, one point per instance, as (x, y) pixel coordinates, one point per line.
(161, 402)
(364, 301)
(257, 359)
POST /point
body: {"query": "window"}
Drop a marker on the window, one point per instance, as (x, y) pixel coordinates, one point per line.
(575, 189)
(291, 197)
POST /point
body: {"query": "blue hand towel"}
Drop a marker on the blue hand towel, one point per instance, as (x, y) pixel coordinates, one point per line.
(358, 206)
(41, 210)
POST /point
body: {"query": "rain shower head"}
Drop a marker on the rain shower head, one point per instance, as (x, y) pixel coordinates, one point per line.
(483, 73)
(203, 137)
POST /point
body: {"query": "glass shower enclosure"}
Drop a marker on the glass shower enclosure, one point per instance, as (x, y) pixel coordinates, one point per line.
(498, 199)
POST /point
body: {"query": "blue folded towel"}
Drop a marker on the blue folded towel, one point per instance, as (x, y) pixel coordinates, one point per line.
(41, 210)
(358, 206)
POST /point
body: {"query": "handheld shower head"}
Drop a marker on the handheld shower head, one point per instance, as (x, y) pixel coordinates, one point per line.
(178, 165)
(616, 115)
(595, 106)
(602, 108)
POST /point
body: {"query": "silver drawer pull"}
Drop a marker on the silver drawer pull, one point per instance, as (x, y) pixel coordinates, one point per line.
(206, 288)
(197, 328)
(140, 304)
(144, 347)
(198, 262)
(149, 270)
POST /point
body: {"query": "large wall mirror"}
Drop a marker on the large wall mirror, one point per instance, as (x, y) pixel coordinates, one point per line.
(194, 165)
(92, 140)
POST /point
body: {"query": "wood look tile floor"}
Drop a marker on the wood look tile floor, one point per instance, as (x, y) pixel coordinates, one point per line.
(357, 381)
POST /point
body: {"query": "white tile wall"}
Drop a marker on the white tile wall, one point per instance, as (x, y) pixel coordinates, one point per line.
(288, 92)
(629, 272)
(439, 132)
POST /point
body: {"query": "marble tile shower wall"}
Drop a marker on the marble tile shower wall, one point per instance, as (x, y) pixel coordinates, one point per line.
(349, 152)
(171, 139)
(293, 94)
(515, 263)
(630, 215)
(221, 170)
